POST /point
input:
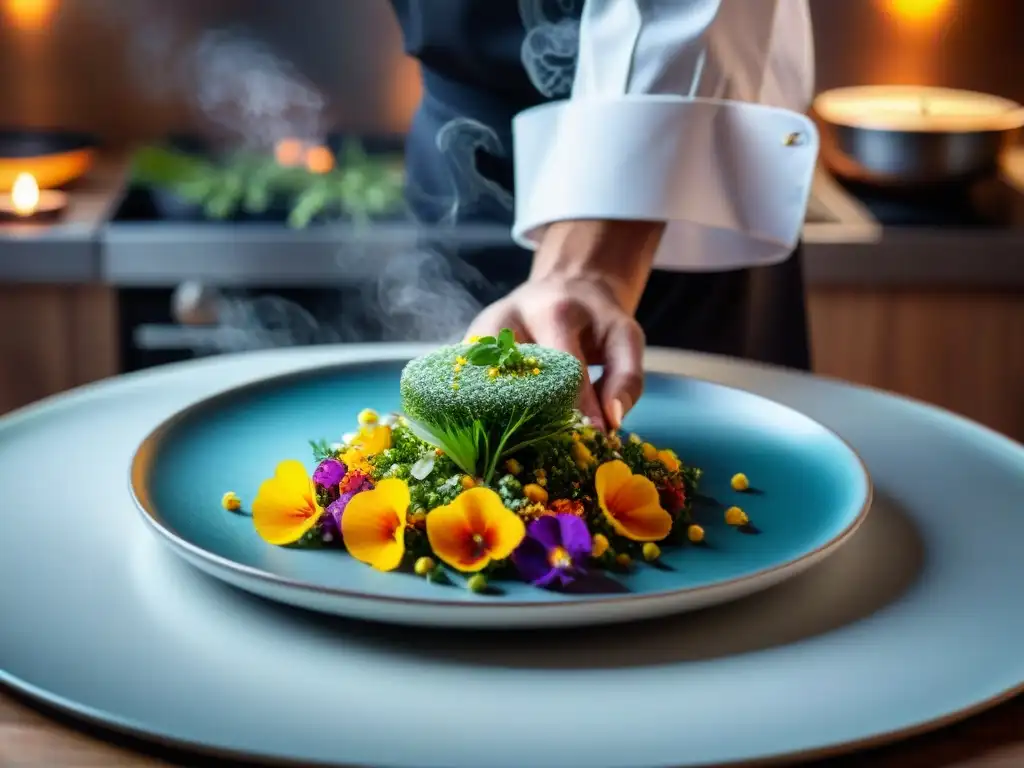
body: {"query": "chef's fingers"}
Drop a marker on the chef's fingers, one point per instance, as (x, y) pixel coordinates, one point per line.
(622, 382)
(557, 330)
(494, 318)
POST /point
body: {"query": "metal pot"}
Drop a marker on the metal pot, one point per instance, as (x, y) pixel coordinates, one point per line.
(909, 136)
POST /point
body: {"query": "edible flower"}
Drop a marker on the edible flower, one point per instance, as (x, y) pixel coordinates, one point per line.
(670, 460)
(285, 507)
(567, 507)
(357, 461)
(581, 455)
(630, 503)
(556, 549)
(474, 530)
(329, 473)
(373, 439)
(673, 497)
(353, 483)
(364, 445)
(374, 524)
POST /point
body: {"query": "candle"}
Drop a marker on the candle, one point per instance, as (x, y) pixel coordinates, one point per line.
(918, 109)
(27, 202)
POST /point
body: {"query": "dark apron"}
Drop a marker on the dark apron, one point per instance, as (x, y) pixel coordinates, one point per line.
(473, 86)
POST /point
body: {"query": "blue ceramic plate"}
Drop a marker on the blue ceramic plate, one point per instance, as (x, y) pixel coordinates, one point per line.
(810, 493)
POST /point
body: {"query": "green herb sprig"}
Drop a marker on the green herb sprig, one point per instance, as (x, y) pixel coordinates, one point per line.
(500, 352)
(321, 450)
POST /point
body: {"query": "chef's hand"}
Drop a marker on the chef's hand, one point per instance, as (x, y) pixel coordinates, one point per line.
(582, 293)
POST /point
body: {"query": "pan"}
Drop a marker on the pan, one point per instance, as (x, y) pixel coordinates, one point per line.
(55, 158)
(912, 136)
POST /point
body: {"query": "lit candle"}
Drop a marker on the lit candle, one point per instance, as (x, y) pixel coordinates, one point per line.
(27, 202)
(919, 109)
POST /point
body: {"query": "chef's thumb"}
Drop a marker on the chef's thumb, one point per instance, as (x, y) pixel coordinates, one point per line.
(622, 382)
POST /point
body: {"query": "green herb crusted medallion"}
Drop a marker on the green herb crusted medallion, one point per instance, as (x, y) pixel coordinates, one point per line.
(490, 396)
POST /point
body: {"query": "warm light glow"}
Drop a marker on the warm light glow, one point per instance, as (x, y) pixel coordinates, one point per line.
(289, 152)
(919, 11)
(32, 15)
(319, 160)
(25, 194)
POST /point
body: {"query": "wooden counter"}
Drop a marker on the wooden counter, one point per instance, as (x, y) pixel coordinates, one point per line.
(962, 350)
(54, 338)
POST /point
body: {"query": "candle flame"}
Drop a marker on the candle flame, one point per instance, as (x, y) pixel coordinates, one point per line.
(25, 194)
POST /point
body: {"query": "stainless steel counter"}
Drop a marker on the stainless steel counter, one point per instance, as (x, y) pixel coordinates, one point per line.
(843, 246)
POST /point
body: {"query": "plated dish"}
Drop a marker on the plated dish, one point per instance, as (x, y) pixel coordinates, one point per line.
(830, 661)
(489, 502)
(489, 472)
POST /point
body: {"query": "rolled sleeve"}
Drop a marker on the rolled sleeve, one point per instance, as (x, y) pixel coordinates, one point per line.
(729, 178)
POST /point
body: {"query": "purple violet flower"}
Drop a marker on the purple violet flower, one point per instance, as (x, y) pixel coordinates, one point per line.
(354, 483)
(329, 473)
(555, 550)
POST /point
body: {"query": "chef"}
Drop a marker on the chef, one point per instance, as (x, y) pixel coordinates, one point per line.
(653, 162)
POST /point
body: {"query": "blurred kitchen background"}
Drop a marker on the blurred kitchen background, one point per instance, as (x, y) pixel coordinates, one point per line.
(919, 292)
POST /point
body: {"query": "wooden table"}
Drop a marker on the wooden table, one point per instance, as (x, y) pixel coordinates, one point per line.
(30, 739)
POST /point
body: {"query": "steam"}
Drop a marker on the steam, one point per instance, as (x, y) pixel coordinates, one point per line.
(550, 47)
(232, 80)
(458, 142)
(424, 301)
(239, 85)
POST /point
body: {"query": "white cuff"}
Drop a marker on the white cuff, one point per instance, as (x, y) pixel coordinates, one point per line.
(730, 179)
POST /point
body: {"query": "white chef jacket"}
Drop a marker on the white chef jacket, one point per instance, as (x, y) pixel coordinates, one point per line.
(689, 112)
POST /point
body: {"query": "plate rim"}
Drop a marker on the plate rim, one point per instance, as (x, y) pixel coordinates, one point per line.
(142, 463)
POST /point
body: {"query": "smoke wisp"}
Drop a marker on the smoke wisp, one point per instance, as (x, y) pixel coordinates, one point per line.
(254, 98)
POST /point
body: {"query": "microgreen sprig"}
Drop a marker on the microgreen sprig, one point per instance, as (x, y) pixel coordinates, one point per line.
(500, 352)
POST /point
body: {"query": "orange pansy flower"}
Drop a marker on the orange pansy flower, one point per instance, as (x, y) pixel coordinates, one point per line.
(630, 503)
(474, 530)
(285, 507)
(373, 525)
(670, 460)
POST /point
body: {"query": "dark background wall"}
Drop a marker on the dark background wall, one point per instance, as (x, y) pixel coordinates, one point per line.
(126, 69)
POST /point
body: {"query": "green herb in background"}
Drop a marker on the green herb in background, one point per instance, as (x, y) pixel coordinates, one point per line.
(360, 186)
